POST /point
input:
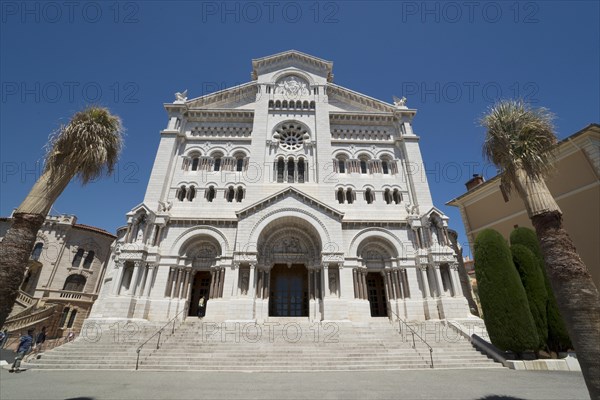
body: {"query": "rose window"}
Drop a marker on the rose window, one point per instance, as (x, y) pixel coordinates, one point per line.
(291, 136)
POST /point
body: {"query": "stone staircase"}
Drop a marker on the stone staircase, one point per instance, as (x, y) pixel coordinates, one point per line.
(283, 345)
(106, 346)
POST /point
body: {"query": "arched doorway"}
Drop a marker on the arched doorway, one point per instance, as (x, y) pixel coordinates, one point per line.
(376, 294)
(289, 291)
(200, 287)
(201, 255)
(289, 253)
(376, 254)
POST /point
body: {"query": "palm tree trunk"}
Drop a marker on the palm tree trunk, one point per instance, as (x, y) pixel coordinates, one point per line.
(44, 192)
(15, 250)
(577, 296)
(19, 240)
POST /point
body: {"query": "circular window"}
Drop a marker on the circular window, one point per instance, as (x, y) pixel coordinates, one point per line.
(291, 136)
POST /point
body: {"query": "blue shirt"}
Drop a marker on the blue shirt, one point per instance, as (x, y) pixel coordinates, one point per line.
(25, 344)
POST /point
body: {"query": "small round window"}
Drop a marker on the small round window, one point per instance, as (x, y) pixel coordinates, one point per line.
(291, 136)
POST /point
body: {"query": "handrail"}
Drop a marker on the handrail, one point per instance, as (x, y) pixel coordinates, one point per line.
(159, 333)
(400, 320)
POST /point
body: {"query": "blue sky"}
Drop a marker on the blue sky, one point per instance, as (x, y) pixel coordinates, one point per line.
(450, 59)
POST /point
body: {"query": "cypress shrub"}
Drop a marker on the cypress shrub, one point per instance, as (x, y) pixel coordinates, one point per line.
(558, 337)
(533, 282)
(507, 315)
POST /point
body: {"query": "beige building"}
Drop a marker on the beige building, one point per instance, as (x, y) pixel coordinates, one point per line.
(63, 276)
(575, 185)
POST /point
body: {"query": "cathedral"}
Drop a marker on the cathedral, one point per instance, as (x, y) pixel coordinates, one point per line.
(287, 196)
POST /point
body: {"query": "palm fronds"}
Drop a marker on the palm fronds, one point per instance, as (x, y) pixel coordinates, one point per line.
(87, 146)
(519, 136)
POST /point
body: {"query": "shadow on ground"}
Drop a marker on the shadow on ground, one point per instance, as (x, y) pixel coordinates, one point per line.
(496, 397)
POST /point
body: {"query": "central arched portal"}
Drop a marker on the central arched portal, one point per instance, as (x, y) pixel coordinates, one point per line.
(289, 248)
(289, 291)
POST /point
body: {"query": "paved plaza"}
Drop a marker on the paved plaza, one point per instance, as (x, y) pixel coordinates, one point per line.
(433, 384)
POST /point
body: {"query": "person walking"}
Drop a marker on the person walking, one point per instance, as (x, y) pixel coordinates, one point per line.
(41, 338)
(201, 307)
(3, 338)
(25, 343)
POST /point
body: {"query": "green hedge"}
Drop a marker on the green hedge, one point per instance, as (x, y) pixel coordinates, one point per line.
(558, 337)
(533, 282)
(505, 307)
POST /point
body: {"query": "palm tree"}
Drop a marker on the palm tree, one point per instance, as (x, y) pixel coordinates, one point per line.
(87, 147)
(520, 141)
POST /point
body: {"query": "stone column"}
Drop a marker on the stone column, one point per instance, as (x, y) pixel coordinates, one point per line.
(137, 266)
(310, 284)
(119, 267)
(438, 278)
(168, 285)
(425, 281)
(235, 270)
(174, 280)
(177, 285)
(266, 284)
(386, 288)
(211, 289)
(295, 170)
(251, 288)
(316, 274)
(150, 237)
(397, 285)
(363, 284)
(455, 280)
(355, 281)
(326, 280)
(216, 283)
(186, 283)
(143, 280)
(259, 283)
(221, 281)
(149, 279)
(417, 238)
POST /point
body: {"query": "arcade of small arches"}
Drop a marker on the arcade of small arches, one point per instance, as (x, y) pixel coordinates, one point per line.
(216, 161)
(231, 193)
(290, 169)
(363, 164)
(292, 105)
(348, 195)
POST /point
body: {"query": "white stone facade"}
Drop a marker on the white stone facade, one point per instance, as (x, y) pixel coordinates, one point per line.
(285, 196)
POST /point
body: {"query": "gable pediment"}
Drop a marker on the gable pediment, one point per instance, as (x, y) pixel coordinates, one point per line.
(289, 192)
(342, 99)
(237, 97)
(292, 59)
(142, 207)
